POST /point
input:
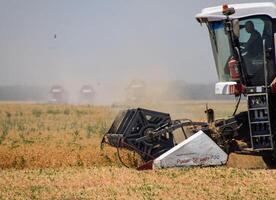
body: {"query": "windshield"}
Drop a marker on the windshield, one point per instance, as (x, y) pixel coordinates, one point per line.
(221, 49)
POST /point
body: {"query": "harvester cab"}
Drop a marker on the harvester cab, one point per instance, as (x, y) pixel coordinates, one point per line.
(242, 39)
(243, 42)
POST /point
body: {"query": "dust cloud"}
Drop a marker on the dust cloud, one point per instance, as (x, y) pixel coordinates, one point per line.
(106, 46)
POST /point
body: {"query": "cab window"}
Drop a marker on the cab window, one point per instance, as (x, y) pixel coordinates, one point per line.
(255, 36)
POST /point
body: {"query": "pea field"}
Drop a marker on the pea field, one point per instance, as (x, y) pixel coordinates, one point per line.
(53, 152)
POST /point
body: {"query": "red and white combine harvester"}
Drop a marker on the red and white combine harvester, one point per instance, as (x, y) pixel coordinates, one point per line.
(243, 40)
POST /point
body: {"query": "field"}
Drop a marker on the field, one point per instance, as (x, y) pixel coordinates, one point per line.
(52, 152)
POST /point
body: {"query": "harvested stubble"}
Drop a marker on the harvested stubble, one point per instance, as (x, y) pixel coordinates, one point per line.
(123, 183)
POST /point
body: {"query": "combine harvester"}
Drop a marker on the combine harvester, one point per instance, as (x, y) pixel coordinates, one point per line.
(58, 95)
(136, 91)
(243, 40)
(87, 94)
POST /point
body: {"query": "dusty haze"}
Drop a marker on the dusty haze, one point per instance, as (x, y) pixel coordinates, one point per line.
(103, 43)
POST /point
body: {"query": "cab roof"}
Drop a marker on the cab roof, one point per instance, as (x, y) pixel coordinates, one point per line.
(242, 10)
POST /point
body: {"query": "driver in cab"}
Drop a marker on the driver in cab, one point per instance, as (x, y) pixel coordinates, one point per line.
(253, 47)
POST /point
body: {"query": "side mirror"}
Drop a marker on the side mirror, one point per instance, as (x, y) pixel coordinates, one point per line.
(236, 27)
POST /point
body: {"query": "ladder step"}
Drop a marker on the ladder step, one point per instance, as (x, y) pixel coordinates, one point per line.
(259, 122)
(259, 136)
(260, 108)
(263, 149)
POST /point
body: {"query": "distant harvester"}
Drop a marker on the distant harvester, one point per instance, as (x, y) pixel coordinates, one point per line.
(58, 95)
(87, 94)
(136, 91)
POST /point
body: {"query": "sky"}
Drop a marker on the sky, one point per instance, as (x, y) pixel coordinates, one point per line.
(46, 42)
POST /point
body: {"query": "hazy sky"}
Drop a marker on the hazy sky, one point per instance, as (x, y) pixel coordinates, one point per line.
(103, 41)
